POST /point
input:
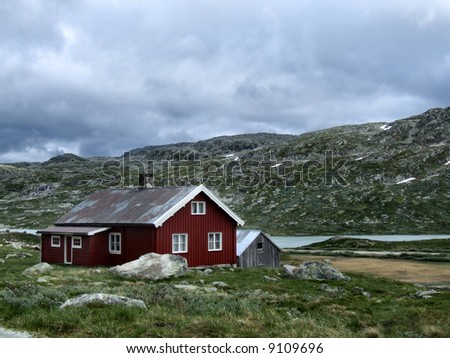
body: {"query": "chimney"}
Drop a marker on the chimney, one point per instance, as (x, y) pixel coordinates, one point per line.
(150, 180)
(141, 180)
(146, 180)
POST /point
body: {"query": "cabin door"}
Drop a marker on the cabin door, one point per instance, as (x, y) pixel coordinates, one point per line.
(260, 255)
(67, 249)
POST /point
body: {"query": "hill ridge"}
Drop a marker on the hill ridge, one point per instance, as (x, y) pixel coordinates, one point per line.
(371, 178)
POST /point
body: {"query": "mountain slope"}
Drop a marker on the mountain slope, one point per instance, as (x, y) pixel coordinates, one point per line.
(369, 178)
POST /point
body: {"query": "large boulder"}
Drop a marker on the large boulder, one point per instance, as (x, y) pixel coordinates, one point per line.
(153, 266)
(40, 268)
(100, 299)
(315, 271)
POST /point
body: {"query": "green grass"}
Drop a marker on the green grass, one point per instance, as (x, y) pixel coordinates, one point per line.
(251, 305)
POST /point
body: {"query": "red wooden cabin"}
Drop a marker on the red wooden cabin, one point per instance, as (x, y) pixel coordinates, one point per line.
(115, 226)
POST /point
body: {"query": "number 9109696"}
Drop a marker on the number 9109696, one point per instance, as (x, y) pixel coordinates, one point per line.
(287, 348)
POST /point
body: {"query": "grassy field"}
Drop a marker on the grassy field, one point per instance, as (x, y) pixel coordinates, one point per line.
(258, 302)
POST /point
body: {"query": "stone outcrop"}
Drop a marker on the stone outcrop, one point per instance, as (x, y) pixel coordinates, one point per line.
(315, 271)
(99, 299)
(425, 294)
(153, 267)
(39, 268)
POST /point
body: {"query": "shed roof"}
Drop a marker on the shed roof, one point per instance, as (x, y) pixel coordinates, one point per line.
(73, 230)
(137, 206)
(244, 239)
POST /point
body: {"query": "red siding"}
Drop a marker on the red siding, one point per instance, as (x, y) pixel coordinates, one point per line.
(137, 241)
(49, 254)
(99, 250)
(197, 227)
(81, 256)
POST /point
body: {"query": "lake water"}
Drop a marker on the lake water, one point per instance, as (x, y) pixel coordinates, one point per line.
(285, 242)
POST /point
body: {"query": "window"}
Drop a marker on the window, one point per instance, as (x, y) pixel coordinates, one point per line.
(260, 247)
(179, 243)
(76, 242)
(56, 241)
(115, 243)
(214, 241)
(198, 208)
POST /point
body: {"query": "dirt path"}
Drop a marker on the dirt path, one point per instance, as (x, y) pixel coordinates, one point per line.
(402, 270)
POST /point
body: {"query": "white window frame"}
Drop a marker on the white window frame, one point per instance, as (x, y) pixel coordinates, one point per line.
(115, 243)
(177, 245)
(214, 238)
(53, 238)
(73, 242)
(195, 205)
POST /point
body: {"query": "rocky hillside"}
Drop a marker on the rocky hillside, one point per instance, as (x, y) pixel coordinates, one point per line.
(369, 178)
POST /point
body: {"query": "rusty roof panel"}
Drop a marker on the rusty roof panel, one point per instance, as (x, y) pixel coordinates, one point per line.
(125, 206)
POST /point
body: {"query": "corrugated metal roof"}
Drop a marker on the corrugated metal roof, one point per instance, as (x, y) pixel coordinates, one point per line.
(73, 230)
(136, 206)
(244, 238)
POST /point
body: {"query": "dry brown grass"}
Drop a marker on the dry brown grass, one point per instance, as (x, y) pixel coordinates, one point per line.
(402, 270)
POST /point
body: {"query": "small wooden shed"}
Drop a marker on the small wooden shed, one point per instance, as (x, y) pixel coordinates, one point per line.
(256, 249)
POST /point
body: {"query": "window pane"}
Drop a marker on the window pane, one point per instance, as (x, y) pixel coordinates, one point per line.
(214, 241)
(179, 243)
(183, 242)
(174, 243)
(198, 207)
(114, 243)
(218, 242)
(210, 241)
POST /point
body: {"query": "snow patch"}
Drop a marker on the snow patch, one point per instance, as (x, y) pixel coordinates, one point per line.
(276, 165)
(385, 127)
(358, 159)
(406, 180)
(448, 163)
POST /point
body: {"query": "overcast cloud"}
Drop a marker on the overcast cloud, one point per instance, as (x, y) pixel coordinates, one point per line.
(99, 77)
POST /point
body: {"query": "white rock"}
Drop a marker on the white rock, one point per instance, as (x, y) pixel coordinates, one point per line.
(103, 299)
(186, 287)
(220, 284)
(16, 245)
(37, 269)
(207, 271)
(153, 266)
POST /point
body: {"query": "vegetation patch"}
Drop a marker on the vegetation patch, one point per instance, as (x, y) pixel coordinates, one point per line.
(249, 305)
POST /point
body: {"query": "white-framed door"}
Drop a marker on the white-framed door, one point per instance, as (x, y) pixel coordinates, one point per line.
(68, 252)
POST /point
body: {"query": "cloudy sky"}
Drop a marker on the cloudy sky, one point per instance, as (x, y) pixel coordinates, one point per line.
(99, 77)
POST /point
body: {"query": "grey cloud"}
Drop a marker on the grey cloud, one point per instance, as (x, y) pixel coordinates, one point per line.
(101, 77)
